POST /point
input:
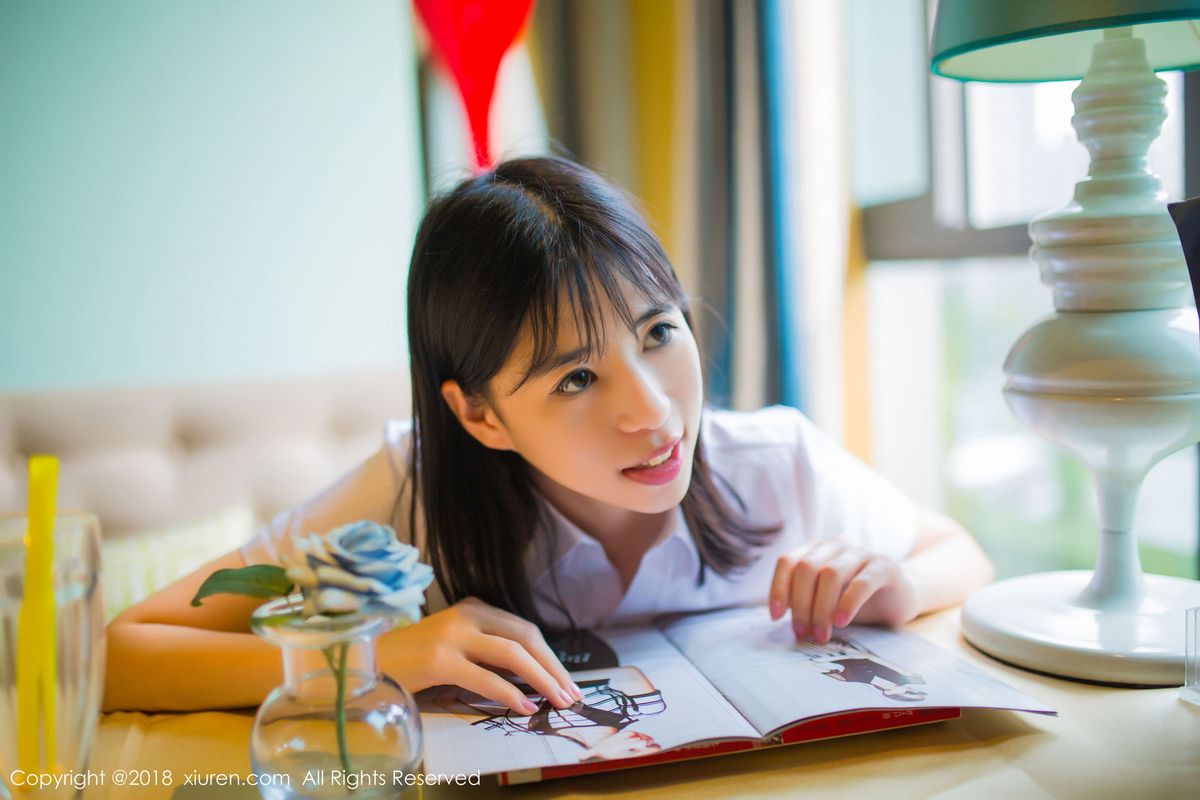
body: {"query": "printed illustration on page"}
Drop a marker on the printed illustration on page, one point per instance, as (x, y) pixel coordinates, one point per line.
(602, 725)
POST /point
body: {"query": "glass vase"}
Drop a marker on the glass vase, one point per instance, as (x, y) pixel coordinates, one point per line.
(336, 727)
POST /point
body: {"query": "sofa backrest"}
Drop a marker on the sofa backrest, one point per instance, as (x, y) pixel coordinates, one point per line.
(142, 458)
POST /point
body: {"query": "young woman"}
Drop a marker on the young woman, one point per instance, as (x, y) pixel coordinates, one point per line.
(562, 472)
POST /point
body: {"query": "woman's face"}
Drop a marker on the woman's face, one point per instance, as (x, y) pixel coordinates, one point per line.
(619, 429)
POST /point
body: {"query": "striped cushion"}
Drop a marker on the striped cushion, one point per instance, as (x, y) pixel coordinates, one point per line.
(134, 567)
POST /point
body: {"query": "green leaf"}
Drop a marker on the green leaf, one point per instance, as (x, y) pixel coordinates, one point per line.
(257, 580)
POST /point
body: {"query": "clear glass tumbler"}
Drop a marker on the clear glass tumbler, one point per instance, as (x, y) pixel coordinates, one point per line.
(79, 656)
(1190, 690)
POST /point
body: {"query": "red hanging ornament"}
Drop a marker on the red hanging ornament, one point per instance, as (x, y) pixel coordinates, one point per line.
(471, 37)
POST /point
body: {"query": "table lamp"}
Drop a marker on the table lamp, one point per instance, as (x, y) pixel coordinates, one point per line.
(1113, 375)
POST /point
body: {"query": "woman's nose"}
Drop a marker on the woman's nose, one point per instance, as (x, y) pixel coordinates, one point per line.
(642, 403)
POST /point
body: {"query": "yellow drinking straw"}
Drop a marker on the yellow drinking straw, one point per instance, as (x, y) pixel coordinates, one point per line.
(36, 656)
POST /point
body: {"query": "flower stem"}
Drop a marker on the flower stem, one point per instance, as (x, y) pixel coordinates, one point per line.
(339, 672)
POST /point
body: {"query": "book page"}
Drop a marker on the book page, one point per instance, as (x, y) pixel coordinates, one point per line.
(643, 698)
(774, 681)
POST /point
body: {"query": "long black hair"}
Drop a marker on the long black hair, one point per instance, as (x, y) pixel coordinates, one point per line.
(499, 252)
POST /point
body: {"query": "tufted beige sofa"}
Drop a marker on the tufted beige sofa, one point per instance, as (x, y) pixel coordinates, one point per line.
(147, 459)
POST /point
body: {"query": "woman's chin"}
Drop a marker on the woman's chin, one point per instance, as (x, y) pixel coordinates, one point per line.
(656, 499)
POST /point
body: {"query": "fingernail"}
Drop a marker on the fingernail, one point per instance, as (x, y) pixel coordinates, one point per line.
(800, 631)
(577, 691)
(823, 636)
(529, 706)
(776, 609)
(566, 696)
(841, 620)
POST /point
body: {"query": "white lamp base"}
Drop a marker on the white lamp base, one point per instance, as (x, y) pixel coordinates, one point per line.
(1037, 622)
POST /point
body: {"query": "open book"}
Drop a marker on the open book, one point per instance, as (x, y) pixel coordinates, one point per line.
(707, 684)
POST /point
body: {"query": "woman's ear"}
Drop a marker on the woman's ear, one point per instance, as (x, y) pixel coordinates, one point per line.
(476, 417)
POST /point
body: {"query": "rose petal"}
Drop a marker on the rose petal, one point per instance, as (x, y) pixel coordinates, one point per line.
(328, 576)
(315, 561)
(412, 596)
(336, 601)
(310, 543)
(343, 560)
(302, 575)
(421, 576)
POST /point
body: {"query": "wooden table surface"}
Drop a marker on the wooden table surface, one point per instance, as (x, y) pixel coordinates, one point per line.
(1106, 742)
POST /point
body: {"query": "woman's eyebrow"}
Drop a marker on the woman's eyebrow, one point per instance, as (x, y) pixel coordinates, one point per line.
(571, 356)
(651, 313)
(548, 365)
(559, 360)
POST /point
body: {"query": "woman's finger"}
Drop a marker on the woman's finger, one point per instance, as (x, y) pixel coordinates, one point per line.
(488, 684)
(511, 655)
(781, 582)
(804, 578)
(496, 622)
(831, 580)
(779, 597)
(861, 588)
(535, 643)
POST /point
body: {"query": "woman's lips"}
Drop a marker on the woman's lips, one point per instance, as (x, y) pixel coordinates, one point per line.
(660, 473)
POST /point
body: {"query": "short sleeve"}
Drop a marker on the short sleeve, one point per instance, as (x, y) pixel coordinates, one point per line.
(370, 491)
(845, 498)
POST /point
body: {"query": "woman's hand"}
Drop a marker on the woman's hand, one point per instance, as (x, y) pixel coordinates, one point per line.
(450, 646)
(829, 583)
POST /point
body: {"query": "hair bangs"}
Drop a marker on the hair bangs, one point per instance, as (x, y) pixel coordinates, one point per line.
(583, 279)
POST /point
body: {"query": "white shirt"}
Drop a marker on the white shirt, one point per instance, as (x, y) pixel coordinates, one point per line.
(784, 470)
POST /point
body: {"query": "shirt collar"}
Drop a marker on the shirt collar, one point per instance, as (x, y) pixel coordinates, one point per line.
(551, 547)
(566, 539)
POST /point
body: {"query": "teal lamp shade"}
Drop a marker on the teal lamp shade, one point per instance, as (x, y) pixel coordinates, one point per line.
(1016, 41)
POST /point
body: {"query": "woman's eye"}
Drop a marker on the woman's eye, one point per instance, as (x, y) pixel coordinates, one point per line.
(662, 333)
(576, 382)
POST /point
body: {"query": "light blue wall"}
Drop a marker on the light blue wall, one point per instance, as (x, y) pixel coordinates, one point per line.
(211, 190)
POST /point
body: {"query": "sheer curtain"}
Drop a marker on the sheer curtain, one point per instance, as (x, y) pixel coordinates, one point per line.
(726, 230)
(806, 84)
(771, 128)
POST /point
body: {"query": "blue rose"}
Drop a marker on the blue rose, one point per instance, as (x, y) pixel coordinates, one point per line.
(361, 566)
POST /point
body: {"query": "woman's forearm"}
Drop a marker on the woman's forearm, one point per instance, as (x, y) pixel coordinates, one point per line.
(949, 567)
(158, 667)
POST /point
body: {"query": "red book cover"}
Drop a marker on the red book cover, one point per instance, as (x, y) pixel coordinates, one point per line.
(811, 731)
